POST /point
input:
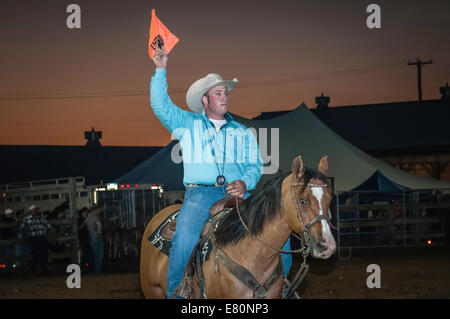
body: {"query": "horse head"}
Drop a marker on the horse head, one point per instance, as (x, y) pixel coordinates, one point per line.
(307, 198)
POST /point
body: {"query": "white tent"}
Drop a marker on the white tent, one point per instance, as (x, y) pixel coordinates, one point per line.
(300, 132)
(158, 169)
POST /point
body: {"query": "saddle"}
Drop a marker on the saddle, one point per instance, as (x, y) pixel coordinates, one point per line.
(168, 229)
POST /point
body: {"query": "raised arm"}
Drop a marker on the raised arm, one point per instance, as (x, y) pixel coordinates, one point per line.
(170, 115)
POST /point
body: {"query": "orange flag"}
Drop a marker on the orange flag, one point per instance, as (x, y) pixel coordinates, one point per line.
(159, 32)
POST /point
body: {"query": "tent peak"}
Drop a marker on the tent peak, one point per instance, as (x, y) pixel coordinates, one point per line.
(301, 106)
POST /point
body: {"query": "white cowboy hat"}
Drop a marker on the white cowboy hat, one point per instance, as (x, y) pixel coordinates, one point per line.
(9, 211)
(32, 207)
(200, 87)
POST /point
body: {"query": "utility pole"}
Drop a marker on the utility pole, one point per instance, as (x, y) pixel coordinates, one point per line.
(419, 74)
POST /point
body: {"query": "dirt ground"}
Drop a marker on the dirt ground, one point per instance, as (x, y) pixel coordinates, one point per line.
(405, 273)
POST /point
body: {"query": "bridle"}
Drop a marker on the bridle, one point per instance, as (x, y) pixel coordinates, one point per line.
(305, 236)
(306, 227)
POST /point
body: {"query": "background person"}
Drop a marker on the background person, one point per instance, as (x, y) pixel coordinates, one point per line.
(8, 232)
(83, 239)
(95, 229)
(34, 228)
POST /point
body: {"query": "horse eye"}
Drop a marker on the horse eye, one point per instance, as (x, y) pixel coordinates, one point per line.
(303, 202)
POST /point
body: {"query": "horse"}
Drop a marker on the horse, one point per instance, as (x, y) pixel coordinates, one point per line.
(252, 234)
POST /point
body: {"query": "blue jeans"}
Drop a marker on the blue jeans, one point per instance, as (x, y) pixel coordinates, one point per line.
(192, 217)
(97, 254)
(39, 249)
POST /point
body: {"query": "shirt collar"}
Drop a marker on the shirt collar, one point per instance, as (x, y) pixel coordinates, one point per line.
(227, 116)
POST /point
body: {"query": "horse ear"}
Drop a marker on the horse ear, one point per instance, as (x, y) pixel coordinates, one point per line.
(297, 166)
(323, 164)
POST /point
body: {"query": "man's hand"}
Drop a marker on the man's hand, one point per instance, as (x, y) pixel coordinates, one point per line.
(237, 188)
(160, 57)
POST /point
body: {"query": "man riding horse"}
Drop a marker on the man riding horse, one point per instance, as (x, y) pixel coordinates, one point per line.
(213, 167)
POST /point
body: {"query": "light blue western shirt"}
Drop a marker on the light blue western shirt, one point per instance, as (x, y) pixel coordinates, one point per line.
(232, 152)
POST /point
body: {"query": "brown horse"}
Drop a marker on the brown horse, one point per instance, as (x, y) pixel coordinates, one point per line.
(252, 235)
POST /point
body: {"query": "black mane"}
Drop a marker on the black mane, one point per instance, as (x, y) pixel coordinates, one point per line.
(258, 209)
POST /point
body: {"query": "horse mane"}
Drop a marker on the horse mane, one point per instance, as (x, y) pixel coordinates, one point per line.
(257, 210)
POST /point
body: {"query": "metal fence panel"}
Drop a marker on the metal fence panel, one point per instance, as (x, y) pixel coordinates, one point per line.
(369, 219)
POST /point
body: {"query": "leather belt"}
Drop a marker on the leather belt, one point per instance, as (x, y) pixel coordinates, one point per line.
(202, 185)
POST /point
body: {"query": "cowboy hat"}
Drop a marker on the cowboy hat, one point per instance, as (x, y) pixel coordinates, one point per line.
(200, 87)
(32, 207)
(9, 211)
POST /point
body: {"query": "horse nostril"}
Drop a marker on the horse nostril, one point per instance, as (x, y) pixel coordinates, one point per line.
(321, 246)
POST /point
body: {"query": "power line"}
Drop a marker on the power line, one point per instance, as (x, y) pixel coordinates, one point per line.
(250, 84)
(313, 77)
(440, 66)
(88, 122)
(439, 62)
(69, 96)
(94, 122)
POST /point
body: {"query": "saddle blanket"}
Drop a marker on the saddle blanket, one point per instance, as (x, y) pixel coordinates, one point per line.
(158, 240)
